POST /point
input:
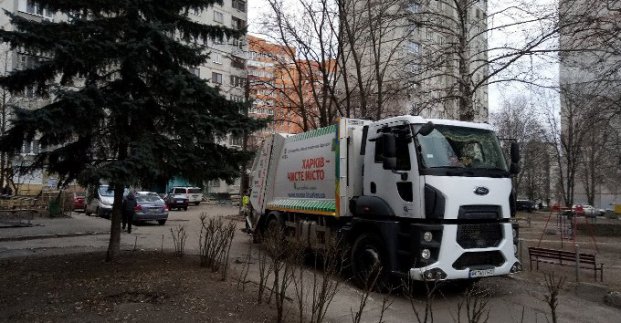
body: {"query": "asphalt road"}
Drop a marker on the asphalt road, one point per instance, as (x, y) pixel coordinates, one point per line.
(511, 296)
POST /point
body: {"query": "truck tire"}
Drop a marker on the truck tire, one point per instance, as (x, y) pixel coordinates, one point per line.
(369, 262)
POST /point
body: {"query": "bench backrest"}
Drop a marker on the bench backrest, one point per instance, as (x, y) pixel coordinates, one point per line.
(561, 255)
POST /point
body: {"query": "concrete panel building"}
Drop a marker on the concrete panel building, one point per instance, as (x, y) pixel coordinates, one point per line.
(425, 53)
(590, 74)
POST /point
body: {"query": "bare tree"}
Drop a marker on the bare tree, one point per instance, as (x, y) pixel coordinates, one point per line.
(453, 62)
(518, 121)
(590, 77)
(568, 134)
(307, 69)
(373, 38)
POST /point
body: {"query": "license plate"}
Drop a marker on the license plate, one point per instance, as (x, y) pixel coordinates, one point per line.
(179, 201)
(476, 273)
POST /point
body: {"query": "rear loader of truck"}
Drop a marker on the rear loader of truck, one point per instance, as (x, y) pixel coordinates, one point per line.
(426, 200)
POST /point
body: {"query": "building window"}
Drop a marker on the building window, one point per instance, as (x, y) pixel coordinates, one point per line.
(237, 23)
(218, 16)
(237, 81)
(239, 5)
(195, 70)
(216, 78)
(31, 148)
(413, 7)
(238, 42)
(236, 141)
(237, 98)
(32, 8)
(413, 47)
(237, 62)
(216, 58)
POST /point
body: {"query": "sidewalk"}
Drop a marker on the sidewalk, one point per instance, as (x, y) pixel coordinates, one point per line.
(76, 234)
(76, 225)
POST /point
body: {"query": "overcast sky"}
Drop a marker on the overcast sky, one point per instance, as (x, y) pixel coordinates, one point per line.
(544, 70)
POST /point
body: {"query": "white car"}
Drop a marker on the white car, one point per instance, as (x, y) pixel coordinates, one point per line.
(99, 201)
(193, 194)
(587, 210)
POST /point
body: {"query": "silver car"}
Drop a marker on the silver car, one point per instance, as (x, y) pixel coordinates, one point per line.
(150, 207)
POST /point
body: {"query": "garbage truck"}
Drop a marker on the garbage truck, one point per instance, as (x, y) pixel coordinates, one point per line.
(420, 199)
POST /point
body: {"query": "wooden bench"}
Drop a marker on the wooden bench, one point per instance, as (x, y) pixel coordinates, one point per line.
(564, 258)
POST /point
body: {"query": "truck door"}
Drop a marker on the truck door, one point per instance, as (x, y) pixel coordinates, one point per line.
(397, 186)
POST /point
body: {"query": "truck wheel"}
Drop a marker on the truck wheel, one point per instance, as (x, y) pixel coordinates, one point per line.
(369, 262)
(161, 222)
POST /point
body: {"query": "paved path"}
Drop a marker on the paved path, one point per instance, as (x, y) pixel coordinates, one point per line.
(81, 233)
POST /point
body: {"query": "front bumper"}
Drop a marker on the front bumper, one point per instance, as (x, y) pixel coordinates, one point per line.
(105, 211)
(140, 216)
(493, 261)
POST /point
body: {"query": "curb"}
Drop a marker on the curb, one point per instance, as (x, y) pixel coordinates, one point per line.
(51, 236)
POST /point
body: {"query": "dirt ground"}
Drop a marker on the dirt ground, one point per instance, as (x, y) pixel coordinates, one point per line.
(155, 287)
(139, 286)
(607, 249)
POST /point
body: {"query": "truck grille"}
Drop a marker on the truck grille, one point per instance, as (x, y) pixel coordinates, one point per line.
(479, 235)
(479, 259)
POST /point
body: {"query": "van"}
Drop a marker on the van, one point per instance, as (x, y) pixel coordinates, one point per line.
(193, 194)
(99, 201)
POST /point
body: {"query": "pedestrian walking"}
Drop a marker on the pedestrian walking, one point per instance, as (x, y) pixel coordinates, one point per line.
(247, 211)
(128, 211)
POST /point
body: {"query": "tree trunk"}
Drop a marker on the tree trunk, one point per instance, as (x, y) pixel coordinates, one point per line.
(114, 247)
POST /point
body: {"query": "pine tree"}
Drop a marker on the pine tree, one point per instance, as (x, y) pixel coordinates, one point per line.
(124, 106)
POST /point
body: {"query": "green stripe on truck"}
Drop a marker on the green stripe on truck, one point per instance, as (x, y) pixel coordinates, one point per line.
(303, 204)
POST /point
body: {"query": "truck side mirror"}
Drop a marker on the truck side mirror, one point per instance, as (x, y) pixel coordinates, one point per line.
(514, 168)
(515, 152)
(426, 129)
(389, 154)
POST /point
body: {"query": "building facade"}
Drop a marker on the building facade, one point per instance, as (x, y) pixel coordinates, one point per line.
(431, 65)
(13, 60)
(271, 84)
(225, 70)
(590, 83)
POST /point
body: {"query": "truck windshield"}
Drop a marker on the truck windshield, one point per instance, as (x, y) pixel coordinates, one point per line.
(455, 151)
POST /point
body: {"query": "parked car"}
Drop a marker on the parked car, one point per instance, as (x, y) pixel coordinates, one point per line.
(99, 201)
(193, 194)
(150, 208)
(587, 210)
(525, 205)
(176, 202)
(79, 202)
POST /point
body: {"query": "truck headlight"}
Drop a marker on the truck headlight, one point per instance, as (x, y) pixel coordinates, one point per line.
(425, 254)
(428, 236)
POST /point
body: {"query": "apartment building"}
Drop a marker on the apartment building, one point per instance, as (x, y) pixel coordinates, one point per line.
(12, 60)
(426, 56)
(589, 74)
(225, 69)
(272, 78)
